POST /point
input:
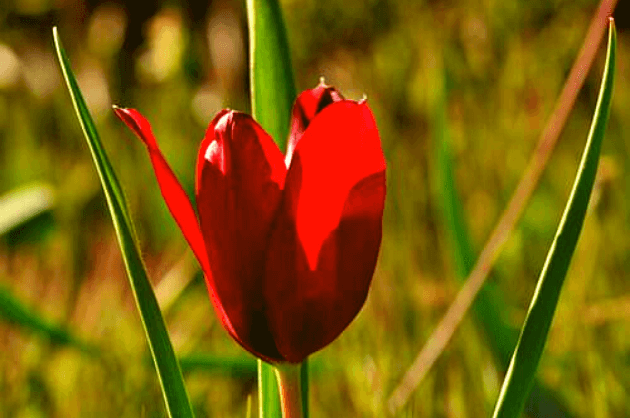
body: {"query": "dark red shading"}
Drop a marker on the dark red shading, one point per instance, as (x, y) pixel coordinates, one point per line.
(240, 179)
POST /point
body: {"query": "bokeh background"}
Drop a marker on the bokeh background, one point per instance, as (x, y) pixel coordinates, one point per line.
(179, 62)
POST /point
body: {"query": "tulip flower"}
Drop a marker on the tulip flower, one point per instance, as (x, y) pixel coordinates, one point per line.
(288, 244)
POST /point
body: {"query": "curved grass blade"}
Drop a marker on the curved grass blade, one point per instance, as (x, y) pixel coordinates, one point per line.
(489, 303)
(522, 369)
(167, 366)
(15, 312)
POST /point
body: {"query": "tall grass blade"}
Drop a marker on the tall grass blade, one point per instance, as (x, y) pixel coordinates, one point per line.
(270, 72)
(522, 369)
(489, 303)
(167, 366)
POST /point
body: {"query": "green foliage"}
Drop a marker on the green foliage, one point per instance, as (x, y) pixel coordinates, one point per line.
(522, 369)
(271, 73)
(489, 306)
(169, 373)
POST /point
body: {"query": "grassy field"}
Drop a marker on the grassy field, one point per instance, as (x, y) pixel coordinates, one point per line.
(499, 66)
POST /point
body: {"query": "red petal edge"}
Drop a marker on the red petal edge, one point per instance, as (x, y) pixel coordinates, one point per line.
(175, 197)
(308, 104)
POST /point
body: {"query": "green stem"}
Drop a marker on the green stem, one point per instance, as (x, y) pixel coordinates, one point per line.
(289, 383)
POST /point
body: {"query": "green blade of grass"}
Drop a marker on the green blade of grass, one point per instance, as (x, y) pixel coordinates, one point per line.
(167, 366)
(522, 369)
(489, 303)
(271, 76)
(15, 312)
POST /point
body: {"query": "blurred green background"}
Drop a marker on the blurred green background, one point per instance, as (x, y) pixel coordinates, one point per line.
(179, 62)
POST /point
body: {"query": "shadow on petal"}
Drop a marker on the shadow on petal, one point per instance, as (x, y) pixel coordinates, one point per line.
(307, 308)
(241, 174)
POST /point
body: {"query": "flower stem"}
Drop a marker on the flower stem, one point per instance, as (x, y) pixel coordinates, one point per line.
(289, 383)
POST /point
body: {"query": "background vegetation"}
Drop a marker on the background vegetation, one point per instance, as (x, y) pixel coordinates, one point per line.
(179, 62)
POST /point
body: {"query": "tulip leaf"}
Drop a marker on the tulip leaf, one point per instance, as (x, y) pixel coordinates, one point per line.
(166, 364)
(15, 312)
(522, 369)
(489, 302)
(271, 76)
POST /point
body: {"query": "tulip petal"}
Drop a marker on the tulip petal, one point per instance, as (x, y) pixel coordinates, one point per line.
(325, 242)
(340, 148)
(239, 186)
(307, 105)
(172, 191)
(177, 201)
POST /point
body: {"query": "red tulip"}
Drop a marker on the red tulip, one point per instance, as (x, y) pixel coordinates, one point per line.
(288, 244)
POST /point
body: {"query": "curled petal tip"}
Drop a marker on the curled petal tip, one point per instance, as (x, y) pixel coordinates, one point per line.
(137, 123)
(123, 114)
